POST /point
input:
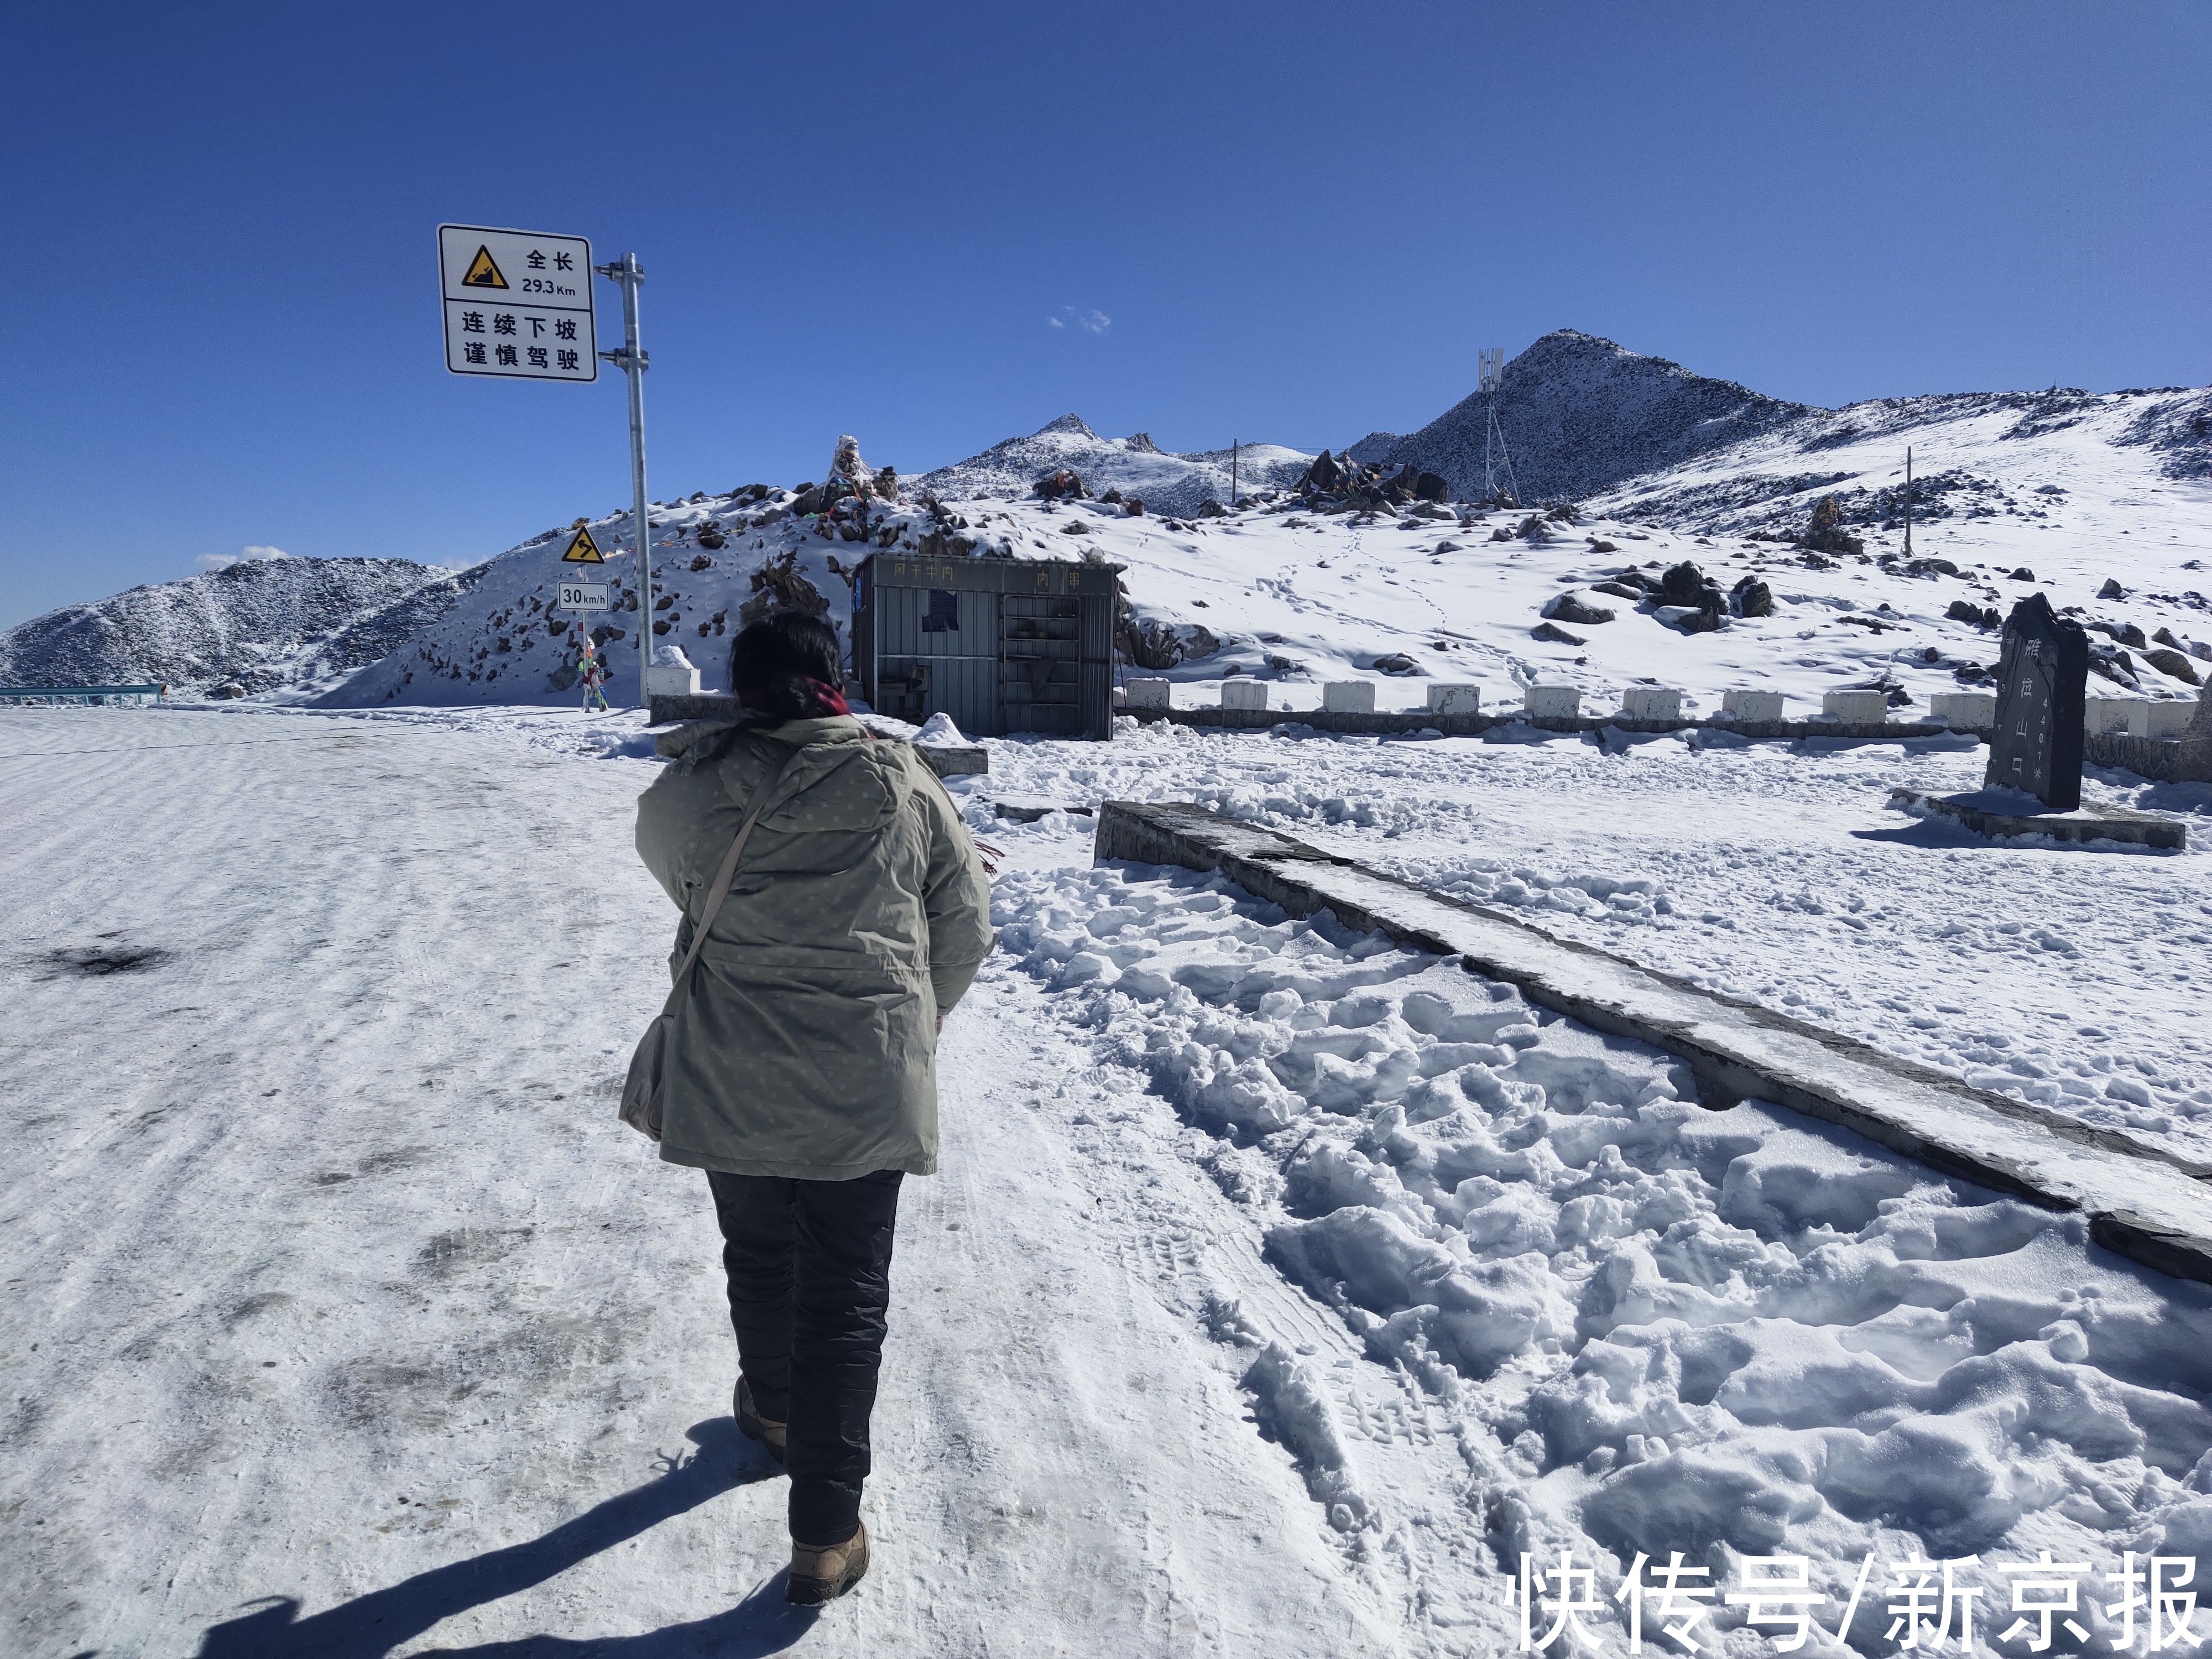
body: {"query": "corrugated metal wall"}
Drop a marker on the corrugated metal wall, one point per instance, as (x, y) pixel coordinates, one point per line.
(1000, 646)
(958, 666)
(1040, 669)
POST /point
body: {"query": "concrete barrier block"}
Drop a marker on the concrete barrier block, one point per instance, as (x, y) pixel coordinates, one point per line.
(1348, 698)
(668, 679)
(2106, 713)
(1651, 702)
(1552, 702)
(1241, 693)
(1452, 697)
(1752, 705)
(2161, 717)
(1147, 694)
(1857, 707)
(1967, 711)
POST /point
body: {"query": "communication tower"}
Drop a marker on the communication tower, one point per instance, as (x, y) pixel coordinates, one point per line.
(1498, 479)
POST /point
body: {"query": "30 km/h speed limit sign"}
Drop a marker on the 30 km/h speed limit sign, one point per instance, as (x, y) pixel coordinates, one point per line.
(518, 304)
(583, 596)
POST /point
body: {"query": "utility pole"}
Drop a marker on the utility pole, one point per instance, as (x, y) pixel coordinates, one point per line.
(633, 361)
(1908, 501)
(1232, 473)
(1498, 479)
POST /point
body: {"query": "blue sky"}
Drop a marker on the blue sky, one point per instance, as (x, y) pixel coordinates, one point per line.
(1294, 224)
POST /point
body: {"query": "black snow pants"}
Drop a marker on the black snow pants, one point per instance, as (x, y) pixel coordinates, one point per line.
(810, 1267)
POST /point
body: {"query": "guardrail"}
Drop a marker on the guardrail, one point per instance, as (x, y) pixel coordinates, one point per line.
(2163, 760)
(85, 693)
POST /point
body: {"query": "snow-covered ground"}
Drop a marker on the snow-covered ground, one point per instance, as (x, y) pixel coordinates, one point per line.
(1772, 870)
(1280, 1290)
(1297, 599)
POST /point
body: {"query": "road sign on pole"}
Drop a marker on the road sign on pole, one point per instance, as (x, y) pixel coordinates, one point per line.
(582, 596)
(633, 361)
(582, 550)
(518, 304)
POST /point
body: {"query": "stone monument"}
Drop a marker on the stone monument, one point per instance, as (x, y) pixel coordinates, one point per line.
(2043, 671)
(2032, 787)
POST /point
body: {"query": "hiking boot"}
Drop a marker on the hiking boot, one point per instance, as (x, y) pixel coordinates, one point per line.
(752, 1424)
(822, 1572)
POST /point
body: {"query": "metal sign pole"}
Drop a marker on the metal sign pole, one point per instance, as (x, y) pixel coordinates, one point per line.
(633, 361)
(1908, 501)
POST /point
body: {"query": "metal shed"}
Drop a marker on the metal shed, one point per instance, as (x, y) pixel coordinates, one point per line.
(999, 645)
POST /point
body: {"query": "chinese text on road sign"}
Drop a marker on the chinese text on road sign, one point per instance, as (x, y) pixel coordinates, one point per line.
(583, 596)
(517, 304)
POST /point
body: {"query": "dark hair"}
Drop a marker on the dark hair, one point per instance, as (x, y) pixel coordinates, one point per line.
(772, 661)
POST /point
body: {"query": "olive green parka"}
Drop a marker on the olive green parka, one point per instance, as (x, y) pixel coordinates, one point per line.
(861, 913)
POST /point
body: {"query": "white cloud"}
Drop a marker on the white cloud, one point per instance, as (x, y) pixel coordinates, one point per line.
(1055, 322)
(219, 561)
(1089, 320)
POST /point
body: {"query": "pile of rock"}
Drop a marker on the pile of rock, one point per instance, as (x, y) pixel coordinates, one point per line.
(851, 479)
(1683, 597)
(1337, 482)
(1156, 643)
(1572, 607)
(1824, 533)
(1537, 526)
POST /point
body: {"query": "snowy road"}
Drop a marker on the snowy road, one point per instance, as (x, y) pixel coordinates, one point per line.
(1277, 1286)
(333, 1278)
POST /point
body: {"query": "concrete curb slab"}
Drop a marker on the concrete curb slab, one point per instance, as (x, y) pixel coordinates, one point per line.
(1986, 816)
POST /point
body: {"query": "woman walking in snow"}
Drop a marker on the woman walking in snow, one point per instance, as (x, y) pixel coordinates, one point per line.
(801, 1074)
(591, 669)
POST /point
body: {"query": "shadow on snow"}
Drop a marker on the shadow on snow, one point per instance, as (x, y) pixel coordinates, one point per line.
(371, 1626)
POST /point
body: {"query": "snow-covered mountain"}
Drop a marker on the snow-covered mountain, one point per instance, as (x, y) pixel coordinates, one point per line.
(1580, 415)
(1585, 419)
(2081, 490)
(1294, 599)
(1168, 482)
(2044, 458)
(713, 556)
(265, 623)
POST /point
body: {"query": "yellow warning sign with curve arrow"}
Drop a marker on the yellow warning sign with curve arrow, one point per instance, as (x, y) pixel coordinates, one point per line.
(583, 550)
(484, 271)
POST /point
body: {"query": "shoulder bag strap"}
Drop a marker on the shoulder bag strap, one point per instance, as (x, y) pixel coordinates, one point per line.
(723, 878)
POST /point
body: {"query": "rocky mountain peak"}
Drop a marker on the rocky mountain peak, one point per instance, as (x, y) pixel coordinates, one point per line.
(1582, 413)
